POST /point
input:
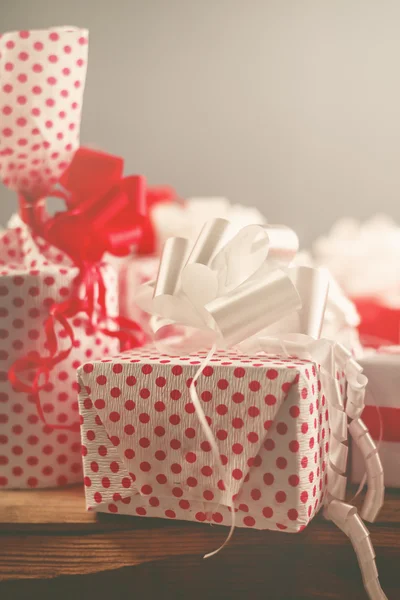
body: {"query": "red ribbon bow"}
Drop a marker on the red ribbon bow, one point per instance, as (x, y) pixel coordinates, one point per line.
(106, 212)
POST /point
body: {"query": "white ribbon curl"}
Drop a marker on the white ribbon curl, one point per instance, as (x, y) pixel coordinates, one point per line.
(245, 293)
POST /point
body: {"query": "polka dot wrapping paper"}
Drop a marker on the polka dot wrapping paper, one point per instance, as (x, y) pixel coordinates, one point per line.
(34, 276)
(42, 78)
(145, 453)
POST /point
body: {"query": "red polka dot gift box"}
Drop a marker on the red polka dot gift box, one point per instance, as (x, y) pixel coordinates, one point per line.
(239, 414)
(39, 432)
(145, 452)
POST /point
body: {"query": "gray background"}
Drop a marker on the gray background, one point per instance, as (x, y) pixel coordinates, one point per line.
(291, 105)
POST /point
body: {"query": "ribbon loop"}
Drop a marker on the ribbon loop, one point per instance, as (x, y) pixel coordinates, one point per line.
(253, 306)
(208, 242)
(172, 262)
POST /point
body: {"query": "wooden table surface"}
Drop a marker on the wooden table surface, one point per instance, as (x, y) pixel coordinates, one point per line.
(50, 547)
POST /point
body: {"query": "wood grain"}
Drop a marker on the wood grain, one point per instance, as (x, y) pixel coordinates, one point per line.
(46, 536)
(64, 510)
(41, 556)
(61, 508)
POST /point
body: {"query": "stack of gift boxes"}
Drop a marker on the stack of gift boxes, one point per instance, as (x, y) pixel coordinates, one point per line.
(206, 391)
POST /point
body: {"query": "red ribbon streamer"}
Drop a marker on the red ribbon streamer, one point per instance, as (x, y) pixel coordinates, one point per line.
(106, 213)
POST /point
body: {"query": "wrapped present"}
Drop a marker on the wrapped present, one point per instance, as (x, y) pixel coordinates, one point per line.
(375, 290)
(58, 299)
(381, 413)
(231, 418)
(145, 452)
(40, 443)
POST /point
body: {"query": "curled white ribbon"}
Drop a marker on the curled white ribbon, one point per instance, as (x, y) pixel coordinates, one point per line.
(245, 293)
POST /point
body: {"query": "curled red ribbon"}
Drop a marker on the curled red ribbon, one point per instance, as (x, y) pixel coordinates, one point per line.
(105, 213)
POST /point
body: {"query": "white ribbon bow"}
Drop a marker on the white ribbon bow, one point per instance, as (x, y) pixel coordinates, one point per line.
(228, 293)
(245, 292)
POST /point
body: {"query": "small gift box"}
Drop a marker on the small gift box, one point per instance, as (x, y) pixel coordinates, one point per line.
(237, 415)
(145, 452)
(382, 413)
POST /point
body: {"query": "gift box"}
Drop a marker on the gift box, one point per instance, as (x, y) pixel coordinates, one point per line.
(40, 442)
(381, 414)
(237, 416)
(145, 452)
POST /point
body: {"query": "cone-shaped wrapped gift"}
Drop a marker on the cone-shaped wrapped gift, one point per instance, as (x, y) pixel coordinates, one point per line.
(43, 334)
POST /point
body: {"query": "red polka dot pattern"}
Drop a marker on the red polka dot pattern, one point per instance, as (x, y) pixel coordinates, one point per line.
(42, 80)
(32, 277)
(275, 474)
